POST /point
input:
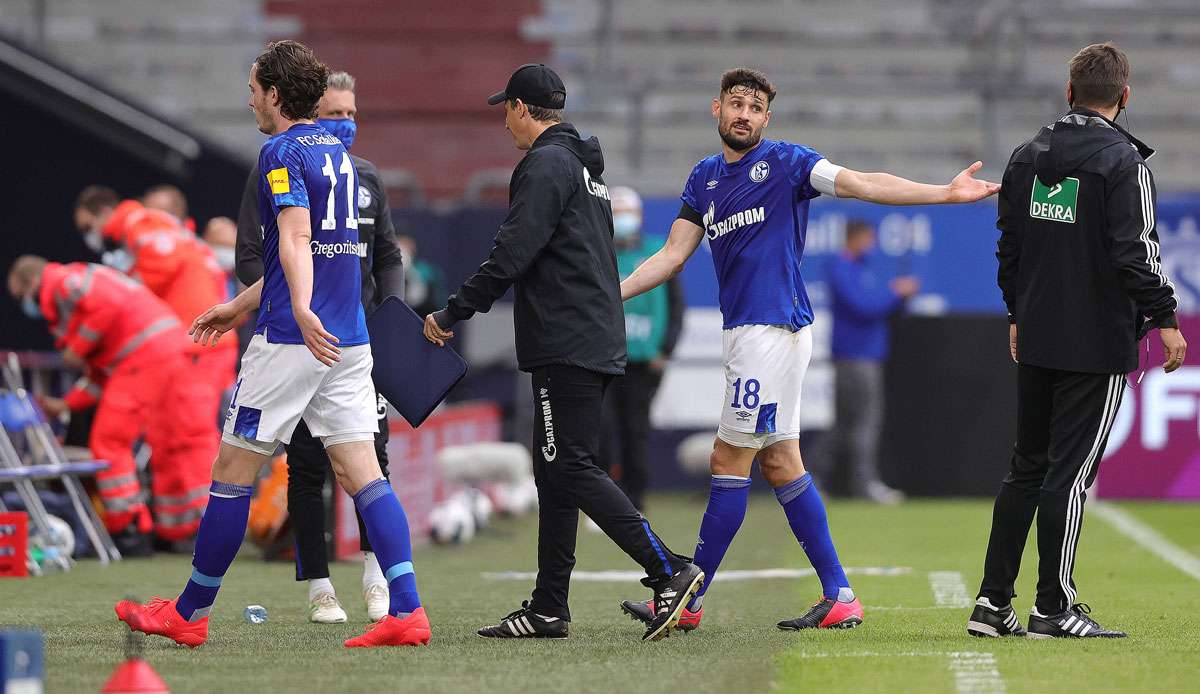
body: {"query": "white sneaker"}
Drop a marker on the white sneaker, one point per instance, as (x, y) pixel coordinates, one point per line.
(590, 525)
(325, 609)
(378, 600)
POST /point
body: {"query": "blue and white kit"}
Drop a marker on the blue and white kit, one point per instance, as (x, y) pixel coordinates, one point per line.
(280, 380)
(755, 217)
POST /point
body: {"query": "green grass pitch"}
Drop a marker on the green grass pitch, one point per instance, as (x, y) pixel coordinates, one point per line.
(908, 644)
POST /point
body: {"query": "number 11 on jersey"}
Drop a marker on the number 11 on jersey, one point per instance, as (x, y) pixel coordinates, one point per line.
(347, 168)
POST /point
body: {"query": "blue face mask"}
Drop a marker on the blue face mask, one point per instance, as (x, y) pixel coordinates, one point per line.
(343, 129)
(29, 306)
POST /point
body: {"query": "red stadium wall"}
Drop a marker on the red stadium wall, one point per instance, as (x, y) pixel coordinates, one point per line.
(423, 79)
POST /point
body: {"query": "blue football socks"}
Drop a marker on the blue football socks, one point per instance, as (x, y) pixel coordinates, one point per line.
(221, 531)
(387, 529)
(806, 514)
(727, 500)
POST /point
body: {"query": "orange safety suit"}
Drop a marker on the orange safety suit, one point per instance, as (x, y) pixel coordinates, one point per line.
(181, 270)
(139, 370)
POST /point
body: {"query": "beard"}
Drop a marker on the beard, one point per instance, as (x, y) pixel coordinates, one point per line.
(739, 143)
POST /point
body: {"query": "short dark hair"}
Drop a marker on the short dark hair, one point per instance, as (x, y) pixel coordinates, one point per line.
(858, 227)
(25, 272)
(540, 113)
(293, 69)
(748, 78)
(96, 198)
(1099, 73)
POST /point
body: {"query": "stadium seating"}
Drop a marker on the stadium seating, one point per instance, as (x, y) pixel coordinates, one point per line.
(920, 87)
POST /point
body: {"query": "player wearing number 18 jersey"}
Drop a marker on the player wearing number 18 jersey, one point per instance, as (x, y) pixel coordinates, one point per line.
(751, 203)
(309, 358)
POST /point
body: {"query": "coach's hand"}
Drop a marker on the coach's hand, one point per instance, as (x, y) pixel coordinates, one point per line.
(318, 340)
(966, 188)
(434, 332)
(1174, 348)
(209, 326)
(1012, 341)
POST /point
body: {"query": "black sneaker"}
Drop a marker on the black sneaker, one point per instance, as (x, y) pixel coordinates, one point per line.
(643, 611)
(989, 620)
(671, 595)
(526, 624)
(1073, 623)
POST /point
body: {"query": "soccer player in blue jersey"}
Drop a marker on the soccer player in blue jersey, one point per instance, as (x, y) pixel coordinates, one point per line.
(751, 203)
(309, 358)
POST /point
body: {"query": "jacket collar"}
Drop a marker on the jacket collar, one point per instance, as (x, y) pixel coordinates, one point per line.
(1079, 115)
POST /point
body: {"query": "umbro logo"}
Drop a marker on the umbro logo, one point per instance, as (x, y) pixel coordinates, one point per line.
(711, 185)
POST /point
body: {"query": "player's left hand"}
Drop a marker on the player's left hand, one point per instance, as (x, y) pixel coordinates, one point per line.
(317, 339)
(209, 326)
(966, 188)
(434, 333)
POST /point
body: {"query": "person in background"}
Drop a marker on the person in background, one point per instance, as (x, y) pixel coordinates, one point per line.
(177, 268)
(137, 368)
(863, 301)
(171, 200)
(424, 280)
(653, 322)
(220, 234)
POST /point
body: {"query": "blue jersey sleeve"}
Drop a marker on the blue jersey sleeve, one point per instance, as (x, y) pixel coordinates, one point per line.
(282, 167)
(689, 189)
(799, 161)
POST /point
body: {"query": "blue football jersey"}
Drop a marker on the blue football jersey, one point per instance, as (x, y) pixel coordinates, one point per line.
(305, 166)
(755, 214)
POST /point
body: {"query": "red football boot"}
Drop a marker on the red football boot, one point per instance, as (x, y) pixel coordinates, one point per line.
(160, 617)
(644, 612)
(413, 630)
(827, 614)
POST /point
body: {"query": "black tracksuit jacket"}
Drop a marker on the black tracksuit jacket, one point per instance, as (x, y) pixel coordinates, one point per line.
(1079, 254)
(556, 246)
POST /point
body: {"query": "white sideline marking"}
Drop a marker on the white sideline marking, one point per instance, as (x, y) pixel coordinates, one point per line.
(949, 589)
(910, 607)
(1149, 538)
(976, 672)
(730, 575)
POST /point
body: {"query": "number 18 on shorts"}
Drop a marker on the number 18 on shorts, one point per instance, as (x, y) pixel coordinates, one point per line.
(764, 371)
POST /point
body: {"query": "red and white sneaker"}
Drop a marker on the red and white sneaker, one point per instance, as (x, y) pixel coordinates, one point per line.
(644, 612)
(413, 630)
(159, 617)
(827, 614)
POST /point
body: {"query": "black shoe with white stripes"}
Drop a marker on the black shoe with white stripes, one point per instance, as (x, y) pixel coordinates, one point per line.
(526, 624)
(1074, 623)
(671, 595)
(989, 620)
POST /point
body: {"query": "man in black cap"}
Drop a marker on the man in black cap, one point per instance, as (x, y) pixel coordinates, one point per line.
(556, 246)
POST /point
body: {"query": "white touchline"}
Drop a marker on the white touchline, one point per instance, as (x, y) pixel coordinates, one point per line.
(1149, 538)
(729, 575)
(949, 590)
(976, 672)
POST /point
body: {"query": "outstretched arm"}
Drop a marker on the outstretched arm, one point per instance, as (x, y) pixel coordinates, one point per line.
(667, 262)
(887, 189)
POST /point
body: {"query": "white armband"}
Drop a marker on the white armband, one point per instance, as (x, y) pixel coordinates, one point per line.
(823, 176)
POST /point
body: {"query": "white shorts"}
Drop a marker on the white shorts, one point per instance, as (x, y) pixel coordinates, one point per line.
(764, 371)
(280, 384)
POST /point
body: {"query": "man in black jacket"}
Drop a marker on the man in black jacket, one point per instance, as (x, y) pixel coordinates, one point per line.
(1080, 273)
(382, 276)
(556, 245)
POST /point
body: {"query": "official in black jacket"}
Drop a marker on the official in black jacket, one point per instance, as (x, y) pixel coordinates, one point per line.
(382, 276)
(1083, 282)
(556, 246)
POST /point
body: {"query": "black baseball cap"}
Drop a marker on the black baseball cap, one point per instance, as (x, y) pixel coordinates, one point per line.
(536, 85)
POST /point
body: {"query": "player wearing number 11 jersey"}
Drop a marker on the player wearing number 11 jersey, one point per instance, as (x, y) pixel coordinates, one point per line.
(751, 203)
(309, 358)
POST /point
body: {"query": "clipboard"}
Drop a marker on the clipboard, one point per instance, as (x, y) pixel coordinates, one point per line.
(414, 374)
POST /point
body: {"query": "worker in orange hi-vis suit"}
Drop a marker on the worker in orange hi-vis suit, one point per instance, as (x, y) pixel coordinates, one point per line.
(178, 267)
(135, 355)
